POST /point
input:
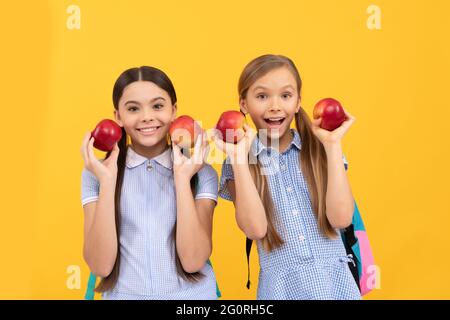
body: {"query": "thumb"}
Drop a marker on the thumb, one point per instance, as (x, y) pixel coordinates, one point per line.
(176, 150)
(316, 122)
(115, 151)
(250, 132)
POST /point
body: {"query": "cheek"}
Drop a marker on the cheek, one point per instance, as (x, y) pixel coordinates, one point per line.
(257, 117)
(256, 108)
(167, 119)
(291, 107)
(129, 121)
(166, 116)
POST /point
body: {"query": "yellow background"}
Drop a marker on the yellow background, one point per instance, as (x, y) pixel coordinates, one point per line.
(57, 83)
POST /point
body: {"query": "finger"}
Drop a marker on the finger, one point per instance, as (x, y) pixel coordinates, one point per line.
(347, 124)
(197, 149)
(204, 147)
(218, 141)
(316, 122)
(349, 120)
(91, 155)
(181, 154)
(115, 152)
(176, 151)
(205, 141)
(343, 128)
(84, 147)
(198, 142)
(250, 133)
(217, 135)
(349, 116)
(205, 153)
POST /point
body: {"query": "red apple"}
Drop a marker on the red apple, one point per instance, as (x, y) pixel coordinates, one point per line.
(231, 126)
(331, 112)
(106, 134)
(184, 132)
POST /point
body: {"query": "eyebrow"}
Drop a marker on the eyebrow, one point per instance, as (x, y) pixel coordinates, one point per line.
(259, 87)
(264, 88)
(137, 102)
(288, 86)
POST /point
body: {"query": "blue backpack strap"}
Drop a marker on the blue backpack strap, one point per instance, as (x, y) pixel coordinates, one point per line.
(218, 293)
(90, 287)
(357, 220)
(352, 240)
(352, 244)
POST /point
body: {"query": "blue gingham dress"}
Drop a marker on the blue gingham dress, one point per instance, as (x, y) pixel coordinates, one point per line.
(308, 266)
(148, 212)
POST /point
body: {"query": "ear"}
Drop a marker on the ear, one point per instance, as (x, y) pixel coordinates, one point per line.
(174, 112)
(243, 105)
(299, 105)
(117, 117)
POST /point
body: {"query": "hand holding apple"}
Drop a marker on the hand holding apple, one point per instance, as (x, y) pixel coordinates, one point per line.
(104, 170)
(331, 121)
(231, 126)
(237, 152)
(184, 132)
(185, 167)
(331, 112)
(106, 134)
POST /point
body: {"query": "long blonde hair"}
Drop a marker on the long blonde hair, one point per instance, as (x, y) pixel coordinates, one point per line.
(312, 158)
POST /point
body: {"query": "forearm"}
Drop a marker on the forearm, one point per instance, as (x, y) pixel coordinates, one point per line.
(100, 248)
(339, 198)
(250, 212)
(194, 243)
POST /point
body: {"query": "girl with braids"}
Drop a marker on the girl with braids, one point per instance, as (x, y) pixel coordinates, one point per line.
(148, 209)
(294, 196)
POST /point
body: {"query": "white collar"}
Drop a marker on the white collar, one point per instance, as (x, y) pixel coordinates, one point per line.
(257, 146)
(134, 159)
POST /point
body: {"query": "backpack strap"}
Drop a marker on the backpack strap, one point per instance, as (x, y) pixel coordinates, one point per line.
(218, 293)
(349, 240)
(90, 287)
(248, 248)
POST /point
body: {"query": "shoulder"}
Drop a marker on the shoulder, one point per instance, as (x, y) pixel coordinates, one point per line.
(207, 173)
(207, 183)
(227, 170)
(208, 170)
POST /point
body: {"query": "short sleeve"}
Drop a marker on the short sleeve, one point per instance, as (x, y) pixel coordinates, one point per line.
(89, 187)
(227, 174)
(345, 162)
(207, 183)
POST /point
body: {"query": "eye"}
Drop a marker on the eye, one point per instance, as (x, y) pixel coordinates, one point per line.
(261, 96)
(158, 106)
(132, 108)
(286, 95)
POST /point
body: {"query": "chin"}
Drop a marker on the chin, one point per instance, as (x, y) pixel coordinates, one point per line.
(150, 141)
(275, 134)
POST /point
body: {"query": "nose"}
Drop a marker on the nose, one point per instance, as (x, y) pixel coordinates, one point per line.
(274, 105)
(147, 115)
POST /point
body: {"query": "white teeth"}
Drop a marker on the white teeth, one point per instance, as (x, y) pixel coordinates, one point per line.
(148, 129)
(275, 119)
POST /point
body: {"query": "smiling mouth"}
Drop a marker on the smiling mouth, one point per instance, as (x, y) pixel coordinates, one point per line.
(148, 129)
(274, 121)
